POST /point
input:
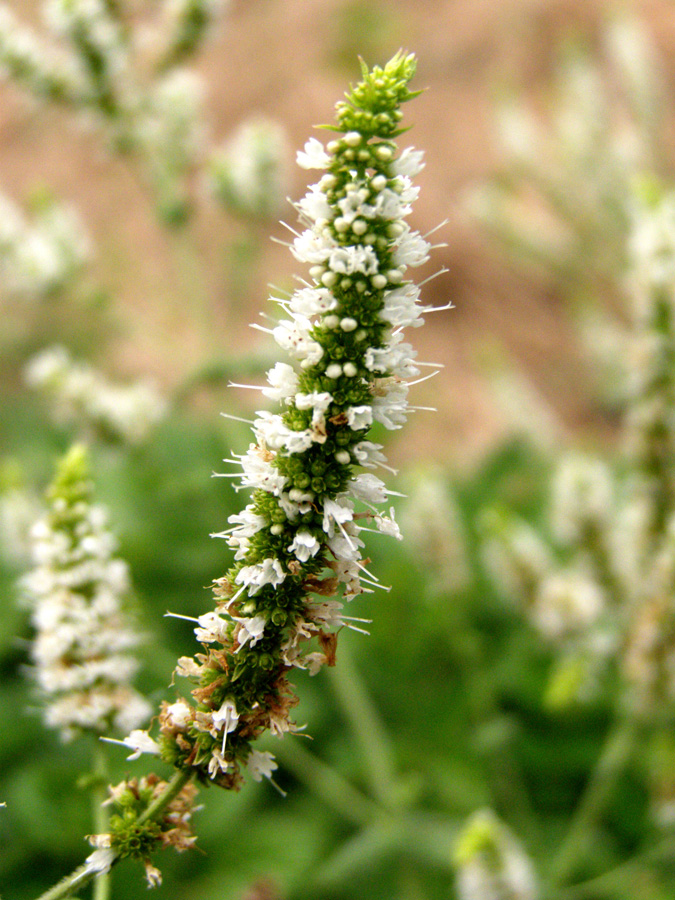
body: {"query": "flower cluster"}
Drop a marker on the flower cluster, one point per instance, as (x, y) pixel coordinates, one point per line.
(580, 164)
(298, 542)
(82, 395)
(171, 135)
(183, 27)
(490, 862)
(604, 593)
(248, 174)
(82, 648)
(128, 837)
(44, 69)
(124, 75)
(562, 203)
(38, 256)
(19, 508)
(97, 39)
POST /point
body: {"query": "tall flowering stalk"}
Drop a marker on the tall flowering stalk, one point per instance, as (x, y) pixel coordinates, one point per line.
(83, 649)
(604, 592)
(297, 543)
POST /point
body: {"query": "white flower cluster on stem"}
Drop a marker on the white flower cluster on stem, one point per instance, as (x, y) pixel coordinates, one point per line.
(40, 254)
(298, 542)
(82, 652)
(491, 863)
(124, 73)
(604, 595)
(80, 394)
(247, 174)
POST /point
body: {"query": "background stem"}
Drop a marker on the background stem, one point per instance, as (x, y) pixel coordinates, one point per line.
(614, 756)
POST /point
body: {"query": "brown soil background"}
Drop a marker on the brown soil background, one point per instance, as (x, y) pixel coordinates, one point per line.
(292, 59)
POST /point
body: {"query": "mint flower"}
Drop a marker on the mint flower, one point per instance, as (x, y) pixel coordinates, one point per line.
(297, 543)
(491, 864)
(45, 70)
(183, 25)
(83, 647)
(40, 254)
(81, 395)
(99, 45)
(247, 174)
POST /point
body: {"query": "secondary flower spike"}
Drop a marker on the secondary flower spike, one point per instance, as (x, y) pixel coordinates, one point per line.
(297, 543)
(83, 649)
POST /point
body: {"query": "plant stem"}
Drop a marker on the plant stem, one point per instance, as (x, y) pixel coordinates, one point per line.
(619, 876)
(193, 284)
(367, 725)
(87, 872)
(100, 816)
(328, 784)
(614, 756)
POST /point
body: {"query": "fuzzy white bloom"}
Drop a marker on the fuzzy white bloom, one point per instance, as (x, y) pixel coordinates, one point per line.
(97, 43)
(38, 256)
(249, 173)
(183, 26)
(269, 571)
(652, 243)
(19, 509)
(169, 128)
(514, 554)
(261, 764)
(568, 602)
(81, 394)
(45, 69)
(582, 498)
(251, 630)
(304, 545)
(140, 742)
(314, 155)
(82, 647)
(490, 862)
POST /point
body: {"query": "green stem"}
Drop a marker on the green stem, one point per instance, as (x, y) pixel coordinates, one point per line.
(618, 878)
(159, 804)
(100, 815)
(86, 873)
(193, 284)
(328, 784)
(613, 758)
(367, 726)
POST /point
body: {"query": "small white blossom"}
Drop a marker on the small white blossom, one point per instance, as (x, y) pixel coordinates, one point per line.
(269, 571)
(410, 162)
(360, 417)
(304, 545)
(251, 630)
(283, 382)
(140, 742)
(313, 156)
(225, 719)
(261, 764)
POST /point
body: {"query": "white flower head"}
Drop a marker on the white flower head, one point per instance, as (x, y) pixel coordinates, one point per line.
(314, 155)
(261, 764)
(304, 545)
(140, 742)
